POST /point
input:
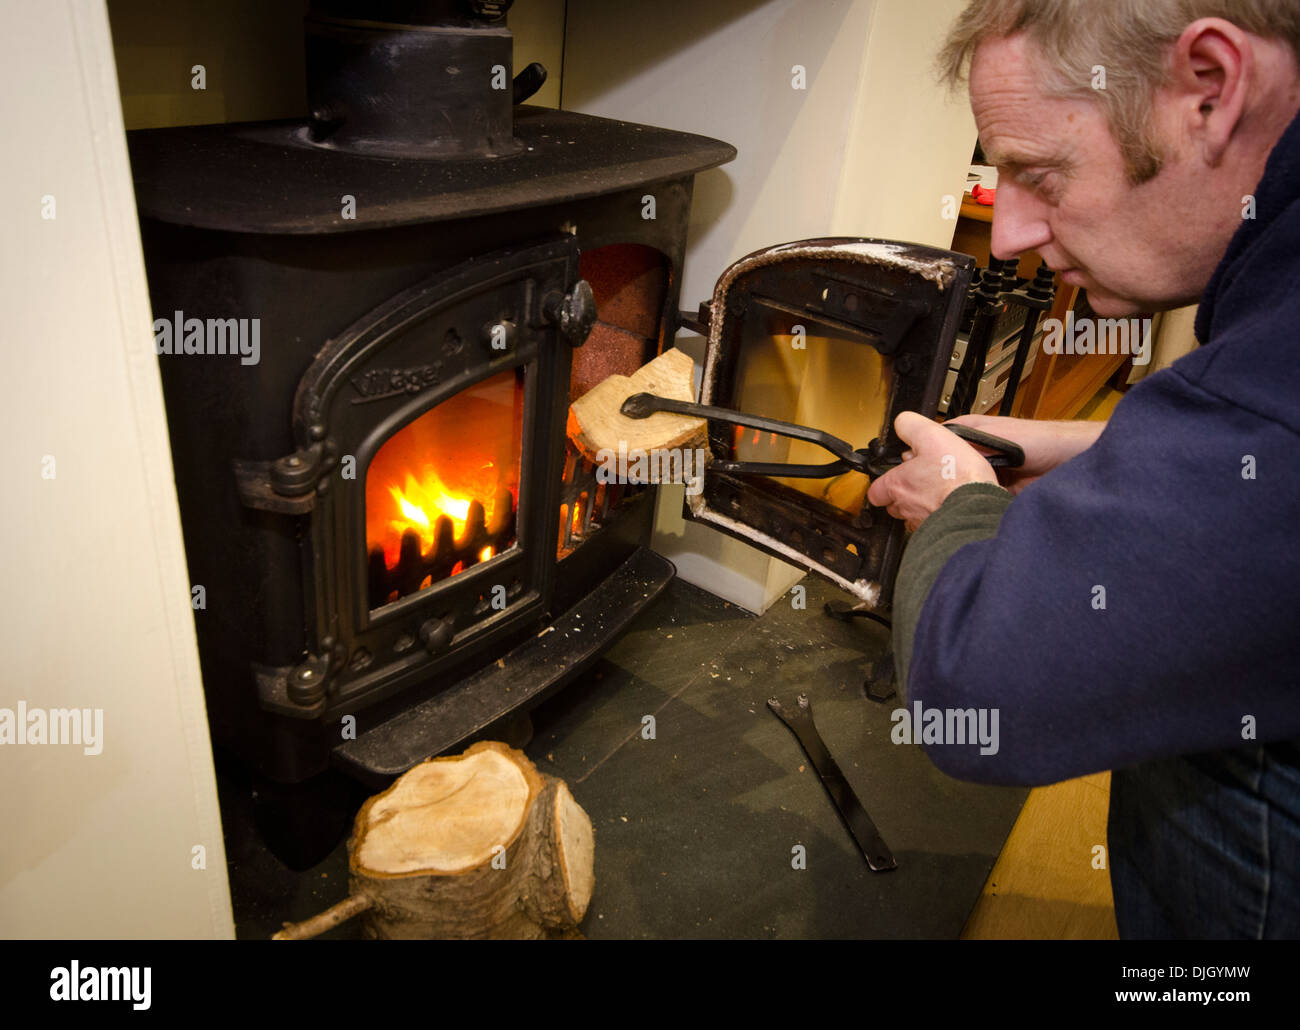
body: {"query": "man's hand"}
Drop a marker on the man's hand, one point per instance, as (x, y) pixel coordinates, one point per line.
(939, 461)
(1046, 444)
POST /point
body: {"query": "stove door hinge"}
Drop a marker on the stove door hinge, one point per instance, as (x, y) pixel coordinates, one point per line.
(298, 691)
(698, 323)
(287, 485)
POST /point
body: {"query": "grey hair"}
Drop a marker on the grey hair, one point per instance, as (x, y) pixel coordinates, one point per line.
(1129, 39)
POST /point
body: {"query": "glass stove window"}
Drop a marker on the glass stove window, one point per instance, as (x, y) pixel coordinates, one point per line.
(442, 493)
(825, 379)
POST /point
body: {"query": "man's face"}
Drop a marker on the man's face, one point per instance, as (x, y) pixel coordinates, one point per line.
(1063, 191)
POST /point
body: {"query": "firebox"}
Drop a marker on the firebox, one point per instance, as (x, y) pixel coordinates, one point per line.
(398, 546)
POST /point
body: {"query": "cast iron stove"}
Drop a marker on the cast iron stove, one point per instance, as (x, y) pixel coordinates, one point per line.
(397, 544)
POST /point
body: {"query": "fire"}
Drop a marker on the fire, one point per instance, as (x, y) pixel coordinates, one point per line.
(453, 471)
(422, 502)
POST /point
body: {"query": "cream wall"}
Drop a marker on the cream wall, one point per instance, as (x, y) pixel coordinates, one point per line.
(95, 606)
(1175, 335)
(538, 28)
(870, 148)
(910, 144)
(252, 53)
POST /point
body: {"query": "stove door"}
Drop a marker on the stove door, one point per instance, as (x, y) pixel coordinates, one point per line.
(840, 335)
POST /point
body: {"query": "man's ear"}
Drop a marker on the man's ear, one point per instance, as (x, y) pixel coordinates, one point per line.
(1213, 67)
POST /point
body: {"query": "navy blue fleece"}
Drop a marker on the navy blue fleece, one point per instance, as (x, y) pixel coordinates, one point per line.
(1200, 565)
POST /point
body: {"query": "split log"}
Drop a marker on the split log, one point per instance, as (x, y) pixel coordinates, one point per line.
(595, 423)
(477, 845)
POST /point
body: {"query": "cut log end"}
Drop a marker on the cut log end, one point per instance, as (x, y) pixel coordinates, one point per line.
(474, 845)
(447, 815)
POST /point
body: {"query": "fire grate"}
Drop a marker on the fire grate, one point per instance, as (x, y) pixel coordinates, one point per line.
(416, 569)
(585, 502)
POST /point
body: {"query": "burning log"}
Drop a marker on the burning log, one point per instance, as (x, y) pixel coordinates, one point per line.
(477, 845)
(446, 553)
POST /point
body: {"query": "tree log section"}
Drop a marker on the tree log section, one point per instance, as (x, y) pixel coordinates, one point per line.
(477, 845)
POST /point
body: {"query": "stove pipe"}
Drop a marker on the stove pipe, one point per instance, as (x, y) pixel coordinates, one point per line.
(413, 78)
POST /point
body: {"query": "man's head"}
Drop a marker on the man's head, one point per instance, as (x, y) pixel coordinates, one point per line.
(1127, 132)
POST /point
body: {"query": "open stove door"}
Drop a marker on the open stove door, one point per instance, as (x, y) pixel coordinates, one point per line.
(836, 334)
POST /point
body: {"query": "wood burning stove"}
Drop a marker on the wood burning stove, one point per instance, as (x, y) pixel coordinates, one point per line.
(397, 543)
(382, 509)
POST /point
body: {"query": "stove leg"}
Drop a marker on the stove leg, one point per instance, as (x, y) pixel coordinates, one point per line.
(879, 684)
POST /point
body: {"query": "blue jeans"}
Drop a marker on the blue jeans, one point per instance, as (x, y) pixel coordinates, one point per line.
(1208, 846)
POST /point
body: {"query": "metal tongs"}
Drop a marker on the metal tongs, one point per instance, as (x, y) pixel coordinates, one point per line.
(873, 460)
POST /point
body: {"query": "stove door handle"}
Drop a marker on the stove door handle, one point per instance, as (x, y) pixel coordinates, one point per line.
(574, 314)
(528, 82)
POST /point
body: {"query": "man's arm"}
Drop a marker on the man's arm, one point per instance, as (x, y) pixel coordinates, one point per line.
(970, 513)
(939, 461)
(1136, 604)
(1046, 444)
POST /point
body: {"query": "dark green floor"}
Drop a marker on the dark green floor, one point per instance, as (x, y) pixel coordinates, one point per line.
(695, 829)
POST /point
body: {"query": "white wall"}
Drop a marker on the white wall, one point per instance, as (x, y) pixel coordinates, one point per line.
(869, 148)
(94, 610)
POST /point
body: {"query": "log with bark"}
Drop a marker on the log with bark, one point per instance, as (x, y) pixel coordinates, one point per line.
(476, 845)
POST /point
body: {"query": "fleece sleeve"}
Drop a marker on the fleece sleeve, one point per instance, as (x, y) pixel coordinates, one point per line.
(971, 512)
(1136, 603)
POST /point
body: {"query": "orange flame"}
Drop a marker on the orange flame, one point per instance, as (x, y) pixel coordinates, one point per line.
(460, 453)
(421, 503)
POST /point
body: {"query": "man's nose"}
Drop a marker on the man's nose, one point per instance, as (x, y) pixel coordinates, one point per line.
(1019, 222)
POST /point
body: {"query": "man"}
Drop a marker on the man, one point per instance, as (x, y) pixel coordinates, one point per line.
(1129, 601)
